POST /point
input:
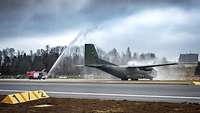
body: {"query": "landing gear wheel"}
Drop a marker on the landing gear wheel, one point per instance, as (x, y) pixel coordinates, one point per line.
(135, 79)
(124, 78)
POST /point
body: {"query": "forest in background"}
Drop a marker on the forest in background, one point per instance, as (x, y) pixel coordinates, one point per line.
(14, 62)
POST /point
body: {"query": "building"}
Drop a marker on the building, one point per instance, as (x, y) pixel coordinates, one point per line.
(188, 58)
(197, 70)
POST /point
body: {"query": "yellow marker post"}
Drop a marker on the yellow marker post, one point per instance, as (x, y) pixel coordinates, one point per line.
(13, 99)
(28, 96)
(40, 94)
(196, 82)
(24, 97)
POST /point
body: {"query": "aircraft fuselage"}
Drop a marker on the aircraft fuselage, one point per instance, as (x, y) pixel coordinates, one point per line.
(125, 73)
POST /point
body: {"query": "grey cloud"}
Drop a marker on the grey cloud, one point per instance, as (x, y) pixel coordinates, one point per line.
(33, 17)
(29, 18)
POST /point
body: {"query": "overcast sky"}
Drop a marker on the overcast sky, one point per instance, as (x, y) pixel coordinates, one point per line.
(166, 27)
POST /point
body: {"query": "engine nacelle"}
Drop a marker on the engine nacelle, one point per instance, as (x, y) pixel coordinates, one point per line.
(146, 69)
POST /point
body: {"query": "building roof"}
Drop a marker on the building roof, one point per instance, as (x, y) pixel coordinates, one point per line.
(188, 58)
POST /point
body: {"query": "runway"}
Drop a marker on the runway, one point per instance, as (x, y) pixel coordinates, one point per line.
(116, 91)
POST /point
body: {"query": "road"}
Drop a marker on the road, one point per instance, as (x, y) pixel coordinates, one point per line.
(117, 91)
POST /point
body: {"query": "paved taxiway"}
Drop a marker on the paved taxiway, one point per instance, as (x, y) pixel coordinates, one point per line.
(109, 90)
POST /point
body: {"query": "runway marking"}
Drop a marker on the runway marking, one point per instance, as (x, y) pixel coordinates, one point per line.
(84, 84)
(110, 94)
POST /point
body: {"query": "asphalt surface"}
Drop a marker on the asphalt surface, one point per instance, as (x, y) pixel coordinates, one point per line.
(117, 91)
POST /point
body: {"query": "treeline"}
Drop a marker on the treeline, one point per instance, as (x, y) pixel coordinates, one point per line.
(15, 62)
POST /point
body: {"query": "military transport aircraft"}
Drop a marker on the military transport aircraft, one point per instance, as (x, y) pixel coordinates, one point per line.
(122, 72)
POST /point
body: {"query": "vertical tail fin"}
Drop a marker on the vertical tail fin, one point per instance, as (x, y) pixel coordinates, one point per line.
(91, 56)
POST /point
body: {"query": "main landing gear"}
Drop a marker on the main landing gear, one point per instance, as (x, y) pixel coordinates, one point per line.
(124, 79)
(135, 79)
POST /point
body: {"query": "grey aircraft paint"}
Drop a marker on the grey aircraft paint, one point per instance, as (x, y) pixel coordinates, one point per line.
(122, 72)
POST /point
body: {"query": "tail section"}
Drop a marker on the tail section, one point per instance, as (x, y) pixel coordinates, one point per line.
(91, 57)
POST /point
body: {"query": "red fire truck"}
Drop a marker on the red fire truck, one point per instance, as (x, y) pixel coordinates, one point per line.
(36, 74)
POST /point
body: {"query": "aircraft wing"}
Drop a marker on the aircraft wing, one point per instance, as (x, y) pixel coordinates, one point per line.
(125, 66)
(154, 65)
